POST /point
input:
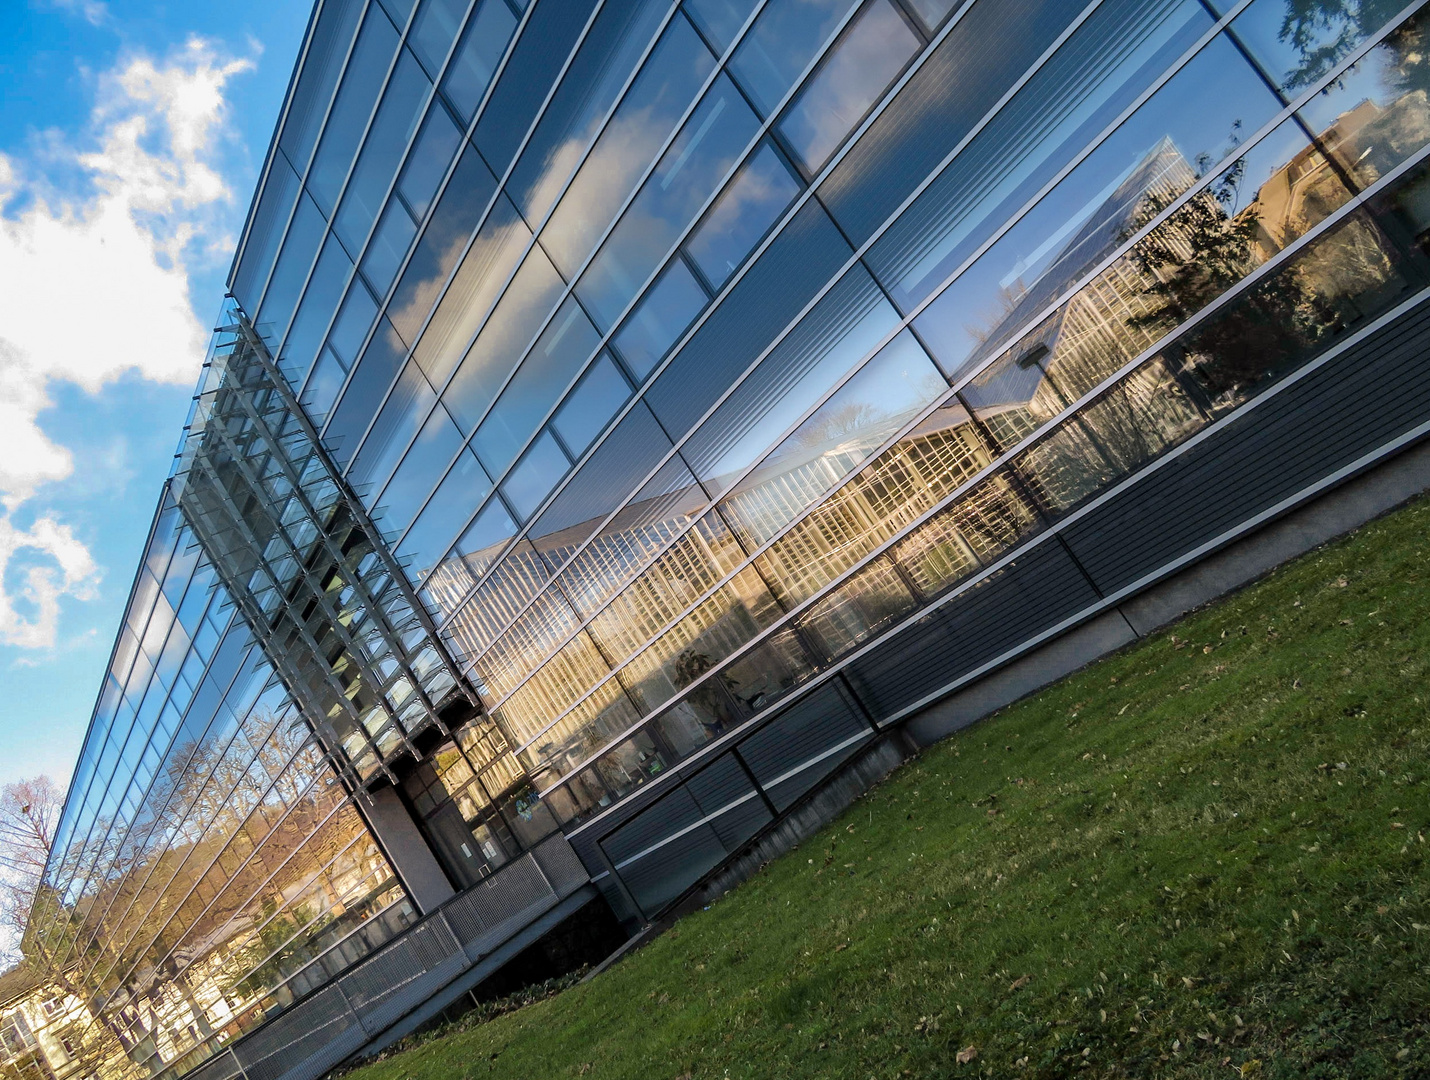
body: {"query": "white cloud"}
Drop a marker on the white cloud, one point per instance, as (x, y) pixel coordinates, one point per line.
(96, 284)
(93, 12)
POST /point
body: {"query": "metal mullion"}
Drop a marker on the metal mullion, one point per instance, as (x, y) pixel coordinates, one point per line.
(273, 782)
(316, 592)
(465, 141)
(998, 462)
(907, 321)
(750, 261)
(273, 148)
(354, 506)
(569, 291)
(1056, 528)
(353, 578)
(129, 830)
(257, 891)
(314, 921)
(89, 972)
(299, 622)
(535, 231)
(179, 727)
(836, 667)
(345, 939)
(434, 98)
(368, 5)
(266, 836)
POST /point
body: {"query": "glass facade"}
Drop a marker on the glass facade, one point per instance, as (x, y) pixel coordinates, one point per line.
(613, 394)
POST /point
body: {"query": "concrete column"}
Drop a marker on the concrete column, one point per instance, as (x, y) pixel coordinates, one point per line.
(416, 866)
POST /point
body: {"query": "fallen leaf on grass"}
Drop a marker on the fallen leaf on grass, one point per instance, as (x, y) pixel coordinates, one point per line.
(1020, 982)
(967, 1054)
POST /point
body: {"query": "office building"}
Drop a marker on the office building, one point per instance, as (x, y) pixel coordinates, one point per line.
(633, 424)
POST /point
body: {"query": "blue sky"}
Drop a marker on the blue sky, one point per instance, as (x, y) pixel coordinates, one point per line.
(131, 135)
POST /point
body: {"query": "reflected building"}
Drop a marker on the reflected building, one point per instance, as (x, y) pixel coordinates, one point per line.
(628, 418)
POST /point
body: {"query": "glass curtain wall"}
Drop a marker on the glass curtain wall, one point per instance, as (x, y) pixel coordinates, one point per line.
(208, 867)
(685, 355)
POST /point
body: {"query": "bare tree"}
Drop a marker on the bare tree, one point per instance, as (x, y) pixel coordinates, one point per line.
(29, 814)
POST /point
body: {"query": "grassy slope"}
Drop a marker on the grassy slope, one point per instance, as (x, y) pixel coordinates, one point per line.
(1202, 857)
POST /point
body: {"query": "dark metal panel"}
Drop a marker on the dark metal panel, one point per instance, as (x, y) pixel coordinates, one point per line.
(1027, 596)
(1360, 400)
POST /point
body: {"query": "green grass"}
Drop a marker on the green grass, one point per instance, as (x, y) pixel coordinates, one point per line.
(1204, 856)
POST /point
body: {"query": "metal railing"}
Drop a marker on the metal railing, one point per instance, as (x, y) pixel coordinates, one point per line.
(325, 1028)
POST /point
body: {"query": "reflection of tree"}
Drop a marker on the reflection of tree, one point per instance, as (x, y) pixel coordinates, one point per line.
(1198, 252)
(705, 698)
(1324, 32)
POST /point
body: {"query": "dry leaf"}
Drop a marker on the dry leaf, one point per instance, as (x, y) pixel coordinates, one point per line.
(1020, 982)
(967, 1054)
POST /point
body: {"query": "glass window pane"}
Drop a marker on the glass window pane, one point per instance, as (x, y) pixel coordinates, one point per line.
(427, 164)
(433, 31)
(474, 551)
(403, 413)
(669, 80)
(1122, 48)
(850, 80)
(976, 529)
(294, 261)
(955, 87)
(1338, 281)
(376, 43)
(862, 414)
(461, 492)
(537, 385)
(443, 241)
(352, 323)
(785, 38)
(322, 68)
(732, 616)
(270, 219)
(387, 247)
(535, 475)
(719, 20)
(845, 326)
(705, 150)
(859, 609)
(1376, 114)
(427, 458)
(587, 91)
(528, 300)
(667, 503)
(1298, 42)
(474, 289)
(667, 308)
(1193, 121)
(325, 287)
(941, 452)
(628, 453)
(477, 57)
(382, 151)
(591, 405)
(767, 672)
(742, 215)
